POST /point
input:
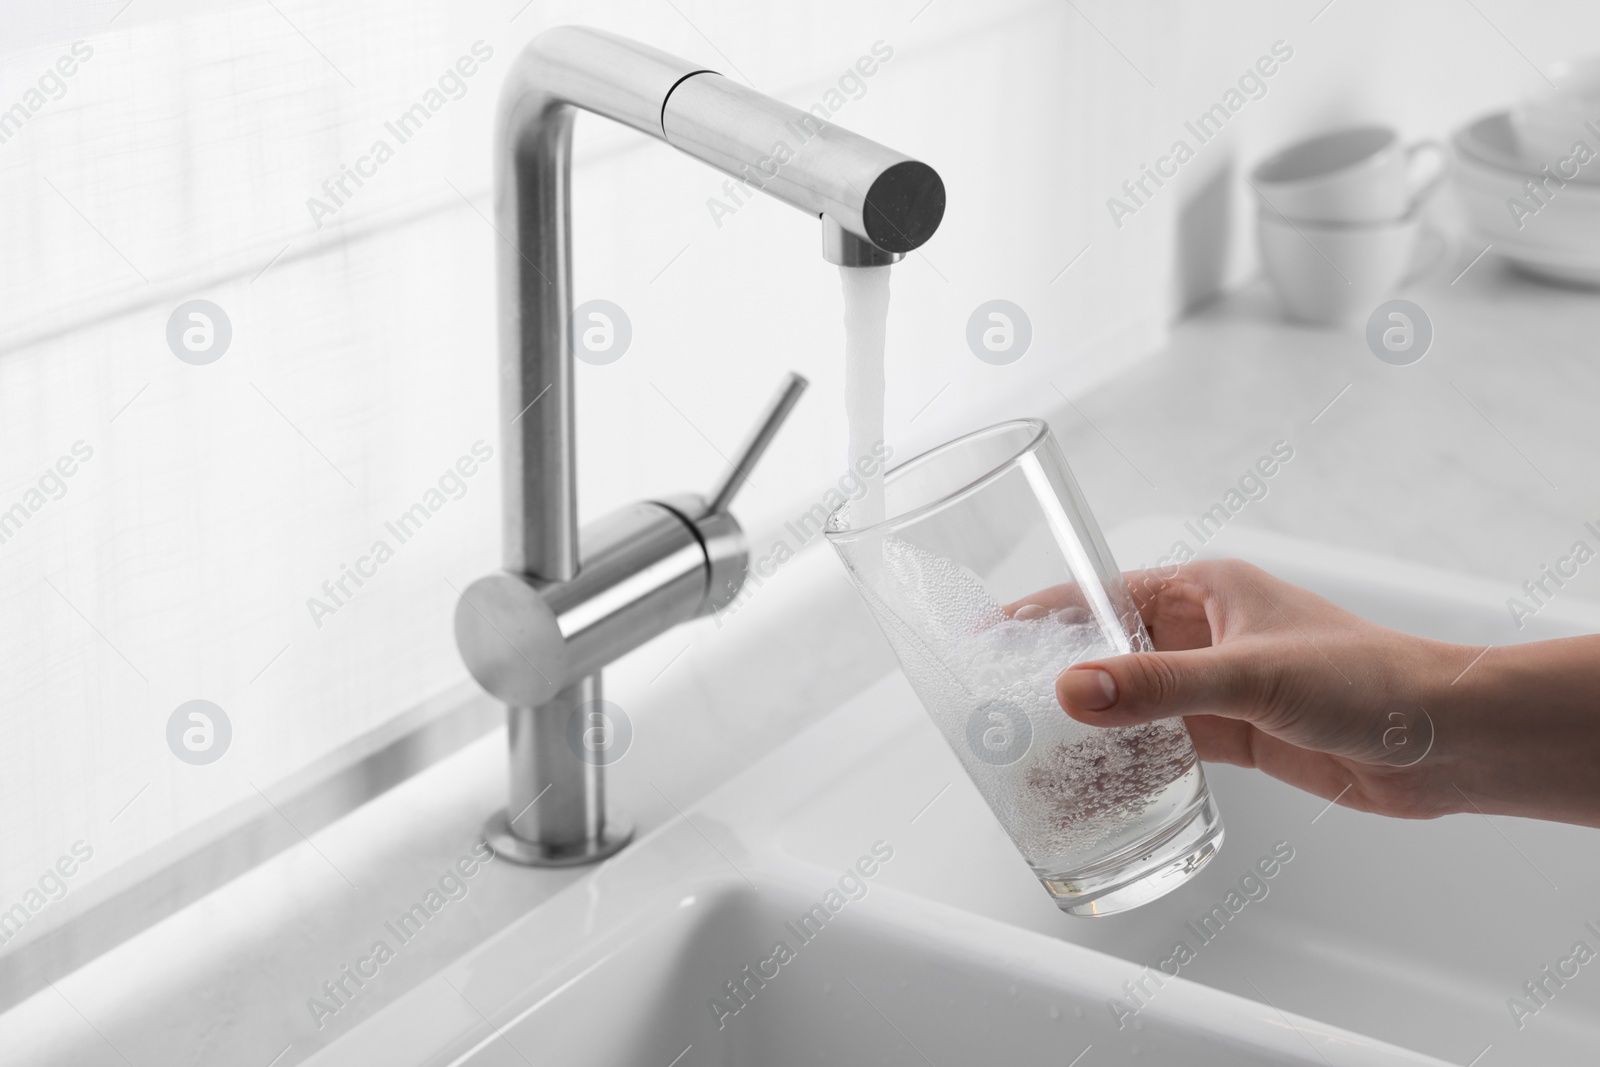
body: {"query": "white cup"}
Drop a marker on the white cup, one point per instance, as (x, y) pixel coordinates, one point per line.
(1359, 175)
(1548, 126)
(1335, 275)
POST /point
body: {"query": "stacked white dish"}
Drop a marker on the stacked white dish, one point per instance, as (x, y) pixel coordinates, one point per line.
(1529, 178)
(1338, 227)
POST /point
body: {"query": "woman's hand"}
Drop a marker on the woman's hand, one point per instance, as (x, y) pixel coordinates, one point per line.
(1268, 675)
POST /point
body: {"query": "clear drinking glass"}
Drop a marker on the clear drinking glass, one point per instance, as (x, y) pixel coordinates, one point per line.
(989, 576)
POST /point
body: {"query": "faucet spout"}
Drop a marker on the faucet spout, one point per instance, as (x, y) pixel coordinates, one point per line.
(887, 198)
(537, 634)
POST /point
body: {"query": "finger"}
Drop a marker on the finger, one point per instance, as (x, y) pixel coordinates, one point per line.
(1173, 607)
(1066, 599)
(1146, 686)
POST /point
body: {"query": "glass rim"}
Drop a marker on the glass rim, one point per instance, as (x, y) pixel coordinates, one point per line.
(835, 532)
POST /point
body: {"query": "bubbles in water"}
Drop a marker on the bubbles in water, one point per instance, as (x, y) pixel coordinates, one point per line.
(1075, 788)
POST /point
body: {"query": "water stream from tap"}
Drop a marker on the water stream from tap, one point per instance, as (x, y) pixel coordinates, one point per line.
(866, 315)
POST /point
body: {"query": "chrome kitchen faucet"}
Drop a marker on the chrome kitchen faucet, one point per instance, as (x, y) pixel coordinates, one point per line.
(536, 634)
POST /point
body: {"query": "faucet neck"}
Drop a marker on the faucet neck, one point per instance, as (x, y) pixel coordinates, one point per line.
(559, 72)
(875, 204)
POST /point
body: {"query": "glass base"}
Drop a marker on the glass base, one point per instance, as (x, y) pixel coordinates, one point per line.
(1142, 872)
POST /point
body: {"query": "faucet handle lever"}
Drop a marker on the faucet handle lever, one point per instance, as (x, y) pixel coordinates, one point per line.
(750, 451)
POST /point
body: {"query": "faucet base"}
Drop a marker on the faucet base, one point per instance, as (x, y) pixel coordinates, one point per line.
(508, 846)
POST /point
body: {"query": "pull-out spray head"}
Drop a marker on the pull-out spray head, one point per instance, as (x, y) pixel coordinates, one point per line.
(875, 204)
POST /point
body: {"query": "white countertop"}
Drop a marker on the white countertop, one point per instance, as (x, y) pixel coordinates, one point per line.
(1448, 462)
(1401, 464)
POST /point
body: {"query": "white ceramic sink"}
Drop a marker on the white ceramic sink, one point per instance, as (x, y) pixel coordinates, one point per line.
(888, 980)
(1371, 936)
(635, 967)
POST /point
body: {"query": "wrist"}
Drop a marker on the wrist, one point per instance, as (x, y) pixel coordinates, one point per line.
(1515, 729)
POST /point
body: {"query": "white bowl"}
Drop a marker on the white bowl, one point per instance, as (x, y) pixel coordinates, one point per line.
(1492, 140)
(1547, 126)
(1556, 234)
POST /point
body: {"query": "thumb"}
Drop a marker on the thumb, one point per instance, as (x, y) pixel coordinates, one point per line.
(1144, 686)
